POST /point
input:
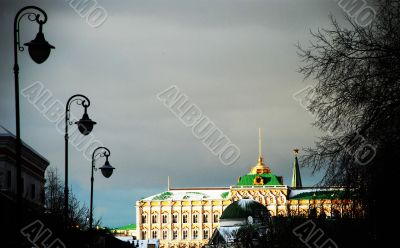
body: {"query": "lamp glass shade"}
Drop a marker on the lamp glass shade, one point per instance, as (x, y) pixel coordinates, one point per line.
(107, 169)
(39, 49)
(85, 124)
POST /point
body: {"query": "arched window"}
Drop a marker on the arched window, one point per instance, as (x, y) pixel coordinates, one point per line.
(144, 218)
(164, 219)
(185, 218)
(216, 218)
(144, 235)
(175, 235)
(205, 234)
(154, 218)
(164, 234)
(205, 218)
(184, 234)
(154, 234)
(195, 218)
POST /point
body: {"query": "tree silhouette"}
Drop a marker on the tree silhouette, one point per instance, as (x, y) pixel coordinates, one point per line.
(356, 101)
(54, 202)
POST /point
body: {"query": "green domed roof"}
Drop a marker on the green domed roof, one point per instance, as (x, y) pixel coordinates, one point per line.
(259, 179)
(243, 209)
(260, 175)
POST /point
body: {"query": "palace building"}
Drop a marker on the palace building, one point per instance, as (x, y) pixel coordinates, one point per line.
(189, 216)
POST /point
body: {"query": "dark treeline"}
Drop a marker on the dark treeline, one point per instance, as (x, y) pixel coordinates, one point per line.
(50, 215)
(344, 232)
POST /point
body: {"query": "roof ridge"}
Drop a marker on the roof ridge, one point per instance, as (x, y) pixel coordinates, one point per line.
(201, 188)
(6, 131)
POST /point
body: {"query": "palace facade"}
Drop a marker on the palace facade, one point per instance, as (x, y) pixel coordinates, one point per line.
(188, 216)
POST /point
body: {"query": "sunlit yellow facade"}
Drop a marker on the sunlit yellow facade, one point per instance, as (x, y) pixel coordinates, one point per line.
(187, 217)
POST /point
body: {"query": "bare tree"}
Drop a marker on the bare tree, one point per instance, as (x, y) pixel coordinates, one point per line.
(54, 191)
(356, 101)
(54, 201)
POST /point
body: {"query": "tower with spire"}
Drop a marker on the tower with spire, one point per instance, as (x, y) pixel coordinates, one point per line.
(260, 167)
(260, 174)
(296, 178)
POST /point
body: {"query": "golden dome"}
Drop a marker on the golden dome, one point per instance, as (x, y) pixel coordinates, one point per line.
(260, 168)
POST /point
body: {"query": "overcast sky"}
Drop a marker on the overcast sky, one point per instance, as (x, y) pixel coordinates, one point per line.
(236, 60)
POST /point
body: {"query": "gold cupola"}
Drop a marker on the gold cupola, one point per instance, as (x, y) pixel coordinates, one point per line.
(260, 167)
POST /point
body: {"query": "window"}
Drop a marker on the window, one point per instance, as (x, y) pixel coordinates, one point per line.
(216, 219)
(33, 191)
(175, 218)
(9, 179)
(165, 234)
(144, 235)
(185, 218)
(205, 218)
(1, 180)
(144, 218)
(195, 234)
(175, 235)
(195, 218)
(154, 219)
(42, 196)
(164, 218)
(23, 184)
(184, 236)
(205, 234)
(154, 234)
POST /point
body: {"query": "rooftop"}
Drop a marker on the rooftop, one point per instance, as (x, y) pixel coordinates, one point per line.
(190, 194)
(125, 228)
(243, 209)
(318, 193)
(6, 133)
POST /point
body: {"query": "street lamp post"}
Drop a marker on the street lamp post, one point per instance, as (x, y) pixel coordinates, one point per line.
(39, 50)
(106, 170)
(85, 126)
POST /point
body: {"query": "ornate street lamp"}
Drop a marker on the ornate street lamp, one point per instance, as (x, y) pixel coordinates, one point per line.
(85, 126)
(39, 50)
(106, 170)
